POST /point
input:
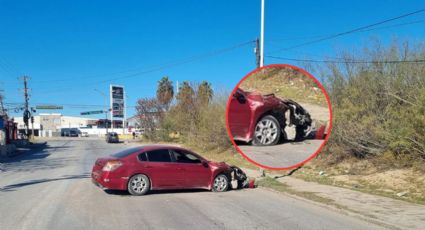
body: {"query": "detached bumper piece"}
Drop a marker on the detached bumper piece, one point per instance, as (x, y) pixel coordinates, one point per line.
(240, 177)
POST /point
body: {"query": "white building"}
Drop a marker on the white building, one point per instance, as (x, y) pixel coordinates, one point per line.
(52, 123)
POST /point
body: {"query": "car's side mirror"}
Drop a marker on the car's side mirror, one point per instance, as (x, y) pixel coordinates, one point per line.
(205, 164)
(240, 97)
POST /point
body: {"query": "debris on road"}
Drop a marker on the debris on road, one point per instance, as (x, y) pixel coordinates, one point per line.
(242, 180)
(401, 194)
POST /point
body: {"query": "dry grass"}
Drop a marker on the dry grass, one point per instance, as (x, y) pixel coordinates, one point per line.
(285, 83)
(362, 176)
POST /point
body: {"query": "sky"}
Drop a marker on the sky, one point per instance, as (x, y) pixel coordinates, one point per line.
(71, 50)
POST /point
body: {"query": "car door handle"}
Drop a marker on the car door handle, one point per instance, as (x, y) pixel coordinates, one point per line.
(147, 166)
(180, 168)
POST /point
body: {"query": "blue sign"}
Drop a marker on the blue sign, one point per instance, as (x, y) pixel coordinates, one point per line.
(1, 123)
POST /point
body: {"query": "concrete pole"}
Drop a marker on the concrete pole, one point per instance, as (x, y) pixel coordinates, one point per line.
(110, 107)
(262, 172)
(106, 108)
(262, 35)
(32, 127)
(123, 111)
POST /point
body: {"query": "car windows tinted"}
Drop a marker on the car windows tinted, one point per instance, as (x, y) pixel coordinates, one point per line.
(185, 157)
(160, 155)
(126, 152)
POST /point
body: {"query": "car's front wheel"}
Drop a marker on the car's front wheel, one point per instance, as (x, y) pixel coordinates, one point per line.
(221, 183)
(138, 185)
(267, 131)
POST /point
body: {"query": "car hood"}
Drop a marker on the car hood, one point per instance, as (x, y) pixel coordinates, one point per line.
(263, 98)
(218, 164)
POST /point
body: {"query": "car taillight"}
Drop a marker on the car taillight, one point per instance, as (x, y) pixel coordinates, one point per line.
(111, 166)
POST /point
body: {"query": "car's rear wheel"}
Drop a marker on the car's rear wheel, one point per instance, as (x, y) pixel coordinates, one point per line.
(267, 131)
(138, 185)
(221, 183)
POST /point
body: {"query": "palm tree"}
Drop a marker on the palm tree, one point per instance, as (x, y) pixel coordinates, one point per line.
(186, 94)
(205, 92)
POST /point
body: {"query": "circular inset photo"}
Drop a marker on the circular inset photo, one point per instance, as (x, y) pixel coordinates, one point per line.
(279, 117)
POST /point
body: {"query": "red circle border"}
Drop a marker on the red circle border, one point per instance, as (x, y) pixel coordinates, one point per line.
(329, 107)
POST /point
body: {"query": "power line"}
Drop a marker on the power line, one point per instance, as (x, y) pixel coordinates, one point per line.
(351, 31)
(354, 61)
(66, 105)
(159, 67)
(360, 31)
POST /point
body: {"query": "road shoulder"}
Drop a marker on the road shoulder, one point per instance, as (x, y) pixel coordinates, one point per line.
(387, 212)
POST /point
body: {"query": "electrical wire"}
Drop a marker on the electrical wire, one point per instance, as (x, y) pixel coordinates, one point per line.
(354, 61)
(360, 31)
(350, 31)
(158, 67)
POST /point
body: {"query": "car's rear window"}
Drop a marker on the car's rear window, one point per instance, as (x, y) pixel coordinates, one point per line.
(126, 152)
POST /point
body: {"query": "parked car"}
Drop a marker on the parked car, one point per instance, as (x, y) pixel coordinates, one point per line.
(138, 132)
(112, 137)
(73, 133)
(65, 133)
(261, 119)
(156, 167)
(84, 134)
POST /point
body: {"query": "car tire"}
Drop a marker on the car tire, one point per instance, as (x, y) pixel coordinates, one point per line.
(267, 131)
(221, 183)
(138, 185)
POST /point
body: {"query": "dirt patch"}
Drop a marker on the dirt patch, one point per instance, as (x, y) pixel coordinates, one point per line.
(403, 184)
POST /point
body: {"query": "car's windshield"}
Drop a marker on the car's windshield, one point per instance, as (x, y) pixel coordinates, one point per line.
(126, 152)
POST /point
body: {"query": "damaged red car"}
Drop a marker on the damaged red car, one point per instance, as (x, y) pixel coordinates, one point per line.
(156, 167)
(261, 119)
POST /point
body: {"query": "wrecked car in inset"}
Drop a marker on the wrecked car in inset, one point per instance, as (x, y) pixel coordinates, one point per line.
(262, 119)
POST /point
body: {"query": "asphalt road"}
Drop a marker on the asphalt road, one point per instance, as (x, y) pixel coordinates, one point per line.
(50, 189)
(282, 155)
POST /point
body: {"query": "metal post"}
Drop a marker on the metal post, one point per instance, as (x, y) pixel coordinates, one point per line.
(32, 127)
(106, 108)
(110, 107)
(124, 111)
(262, 35)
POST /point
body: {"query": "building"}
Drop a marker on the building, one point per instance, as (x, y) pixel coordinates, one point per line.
(51, 124)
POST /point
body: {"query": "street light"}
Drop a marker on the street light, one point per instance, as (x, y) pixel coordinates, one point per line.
(106, 104)
(262, 35)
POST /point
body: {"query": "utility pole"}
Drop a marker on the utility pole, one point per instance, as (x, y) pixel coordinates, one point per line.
(261, 55)
(257, 52)
(124, 112)
(27, 113)
(106, 109)
(262, 35)
(32, 127)
(111, 108)
(2, 110)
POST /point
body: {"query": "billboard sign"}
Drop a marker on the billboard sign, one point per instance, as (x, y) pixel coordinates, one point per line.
(117, 101)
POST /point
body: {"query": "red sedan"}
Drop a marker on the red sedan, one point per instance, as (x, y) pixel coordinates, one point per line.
(156, 167)
(261, 119)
